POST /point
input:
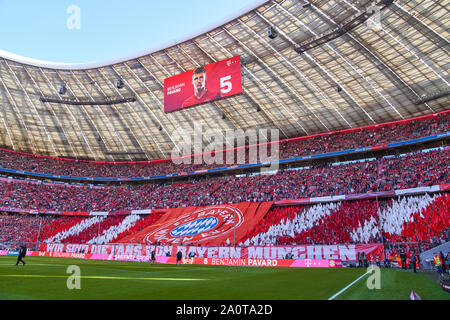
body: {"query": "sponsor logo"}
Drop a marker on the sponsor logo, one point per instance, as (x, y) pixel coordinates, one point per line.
(187, 260)
(202, 224)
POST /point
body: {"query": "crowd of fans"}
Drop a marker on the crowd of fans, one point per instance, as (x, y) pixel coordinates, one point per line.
(342, 223)
(277, 223)
(415, 219)
(53, 225)
(423, 221)
(137, 226)
(411, 170)
(17, 226)
(94, 231)
(428, 223)
(77, 230)
(374, 135)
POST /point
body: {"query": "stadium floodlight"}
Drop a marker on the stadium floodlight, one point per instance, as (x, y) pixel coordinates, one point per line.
(298, 49)
(119, 83)
(62, 90)
(88, 103)
(272, 32)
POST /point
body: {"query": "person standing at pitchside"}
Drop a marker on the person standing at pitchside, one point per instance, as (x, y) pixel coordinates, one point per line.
(153, 256)
(22, 254)
(179, 256)
(438, 263)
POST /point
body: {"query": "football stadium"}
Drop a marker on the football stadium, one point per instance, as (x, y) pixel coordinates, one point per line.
(297, 150)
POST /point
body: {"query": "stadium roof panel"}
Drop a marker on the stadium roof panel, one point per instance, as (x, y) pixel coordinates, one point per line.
(364, 76)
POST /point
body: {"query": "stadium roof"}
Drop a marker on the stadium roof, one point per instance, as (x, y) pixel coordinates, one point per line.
(330, 67)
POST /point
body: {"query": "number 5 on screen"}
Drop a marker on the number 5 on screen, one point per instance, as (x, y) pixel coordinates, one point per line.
(225, 86)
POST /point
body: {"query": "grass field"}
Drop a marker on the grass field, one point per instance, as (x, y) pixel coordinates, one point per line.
(46, 278)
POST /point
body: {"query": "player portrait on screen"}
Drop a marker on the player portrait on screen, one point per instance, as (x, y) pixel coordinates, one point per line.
(201, 92)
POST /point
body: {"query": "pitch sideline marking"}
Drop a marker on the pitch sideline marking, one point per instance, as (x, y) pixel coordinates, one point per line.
(35, 264)
(95, 277)
(111, 267)
(335, 295)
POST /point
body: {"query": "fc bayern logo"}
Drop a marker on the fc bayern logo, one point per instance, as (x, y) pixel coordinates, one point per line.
(194, 227)
(199, 226)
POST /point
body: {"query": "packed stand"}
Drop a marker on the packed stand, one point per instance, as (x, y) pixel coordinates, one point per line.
(16, 228)
(430, 221)
(56, 226)
(137, 226)
(422, 220)
(318, 144)
(94, 230)
(108, 234)
(391, 173)
(415, 219)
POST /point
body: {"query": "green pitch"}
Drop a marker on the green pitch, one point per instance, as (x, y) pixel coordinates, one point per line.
(48, 278)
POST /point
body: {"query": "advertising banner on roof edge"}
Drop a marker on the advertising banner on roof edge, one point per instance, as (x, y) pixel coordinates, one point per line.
(203, 84)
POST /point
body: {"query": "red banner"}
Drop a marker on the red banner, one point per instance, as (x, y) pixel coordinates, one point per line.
(211, 82)
(211, 225)
(346, 253)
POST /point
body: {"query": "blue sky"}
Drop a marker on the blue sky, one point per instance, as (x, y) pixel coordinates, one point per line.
(108, 30)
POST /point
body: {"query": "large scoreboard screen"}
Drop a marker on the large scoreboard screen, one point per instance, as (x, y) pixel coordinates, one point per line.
(204, 84)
